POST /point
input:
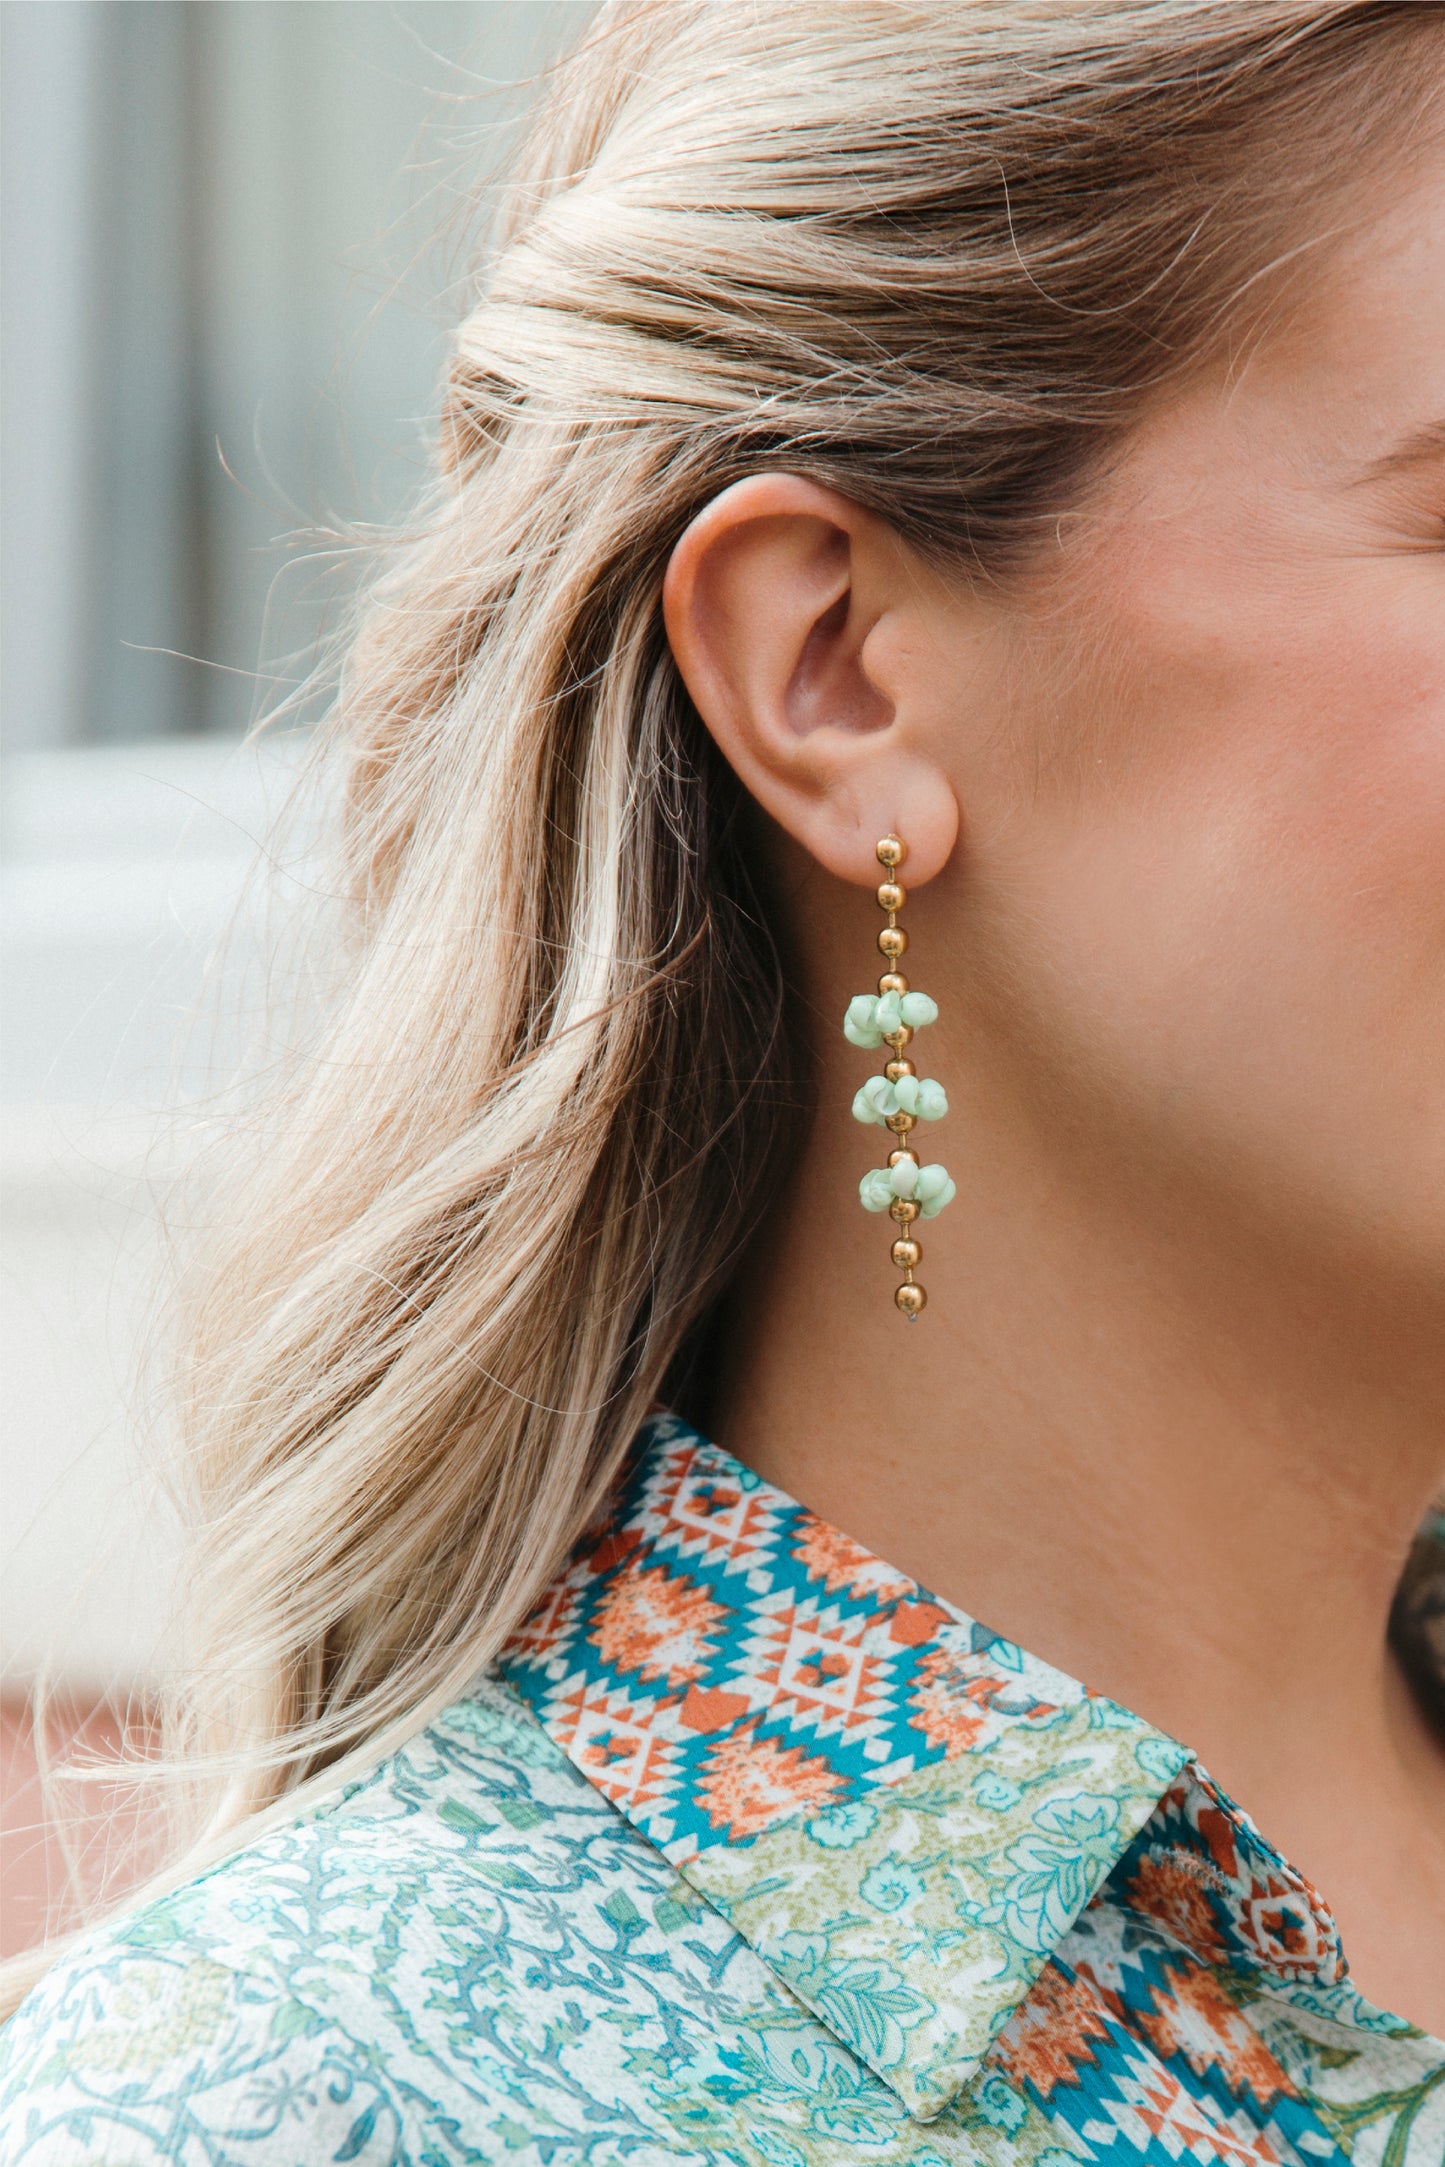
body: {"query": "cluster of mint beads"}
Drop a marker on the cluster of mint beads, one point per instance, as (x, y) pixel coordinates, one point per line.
(875, 1019)
(930, 1187)
(916, 1095)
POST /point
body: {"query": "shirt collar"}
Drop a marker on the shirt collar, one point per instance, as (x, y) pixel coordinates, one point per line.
(900, 1810)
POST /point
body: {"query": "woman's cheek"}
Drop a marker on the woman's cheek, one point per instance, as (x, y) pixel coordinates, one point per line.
(1236, 947)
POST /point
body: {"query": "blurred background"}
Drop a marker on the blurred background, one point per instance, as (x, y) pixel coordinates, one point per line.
(231, 239)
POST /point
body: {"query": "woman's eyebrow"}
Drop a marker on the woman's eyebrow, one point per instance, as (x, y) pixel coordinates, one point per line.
(1421, 444)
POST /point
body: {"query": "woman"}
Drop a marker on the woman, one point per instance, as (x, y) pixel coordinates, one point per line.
(991, 455)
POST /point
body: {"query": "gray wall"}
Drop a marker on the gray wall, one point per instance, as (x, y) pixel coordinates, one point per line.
(224, 306)
(230, 228)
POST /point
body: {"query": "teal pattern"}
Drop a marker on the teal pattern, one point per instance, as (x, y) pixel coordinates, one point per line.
(750, 1851)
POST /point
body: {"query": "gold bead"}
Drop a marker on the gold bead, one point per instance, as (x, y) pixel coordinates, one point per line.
(900, 1123)
(900, 1065)
(891, 851)
(906, 1253)
(902, 1152)
(910, 1298)
(904, 1210)
(900, 1038)
(891, 896)
(893, 982)
(892, 940)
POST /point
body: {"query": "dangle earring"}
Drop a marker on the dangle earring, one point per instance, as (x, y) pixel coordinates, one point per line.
(900, 1098)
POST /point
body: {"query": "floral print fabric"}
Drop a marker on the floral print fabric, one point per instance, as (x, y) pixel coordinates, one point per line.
(792, 1723)
(749, 1850)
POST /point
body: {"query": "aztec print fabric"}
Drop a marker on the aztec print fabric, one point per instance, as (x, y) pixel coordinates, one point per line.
(748, 1851)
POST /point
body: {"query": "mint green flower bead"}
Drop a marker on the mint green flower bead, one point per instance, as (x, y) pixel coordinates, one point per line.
(903, 1178)
(932, 1100)
(859, 1027)
(887, 1015)
(917, 1009)
(875, 1190)
(905, 1096)
(872, 1101)
(936, 1187)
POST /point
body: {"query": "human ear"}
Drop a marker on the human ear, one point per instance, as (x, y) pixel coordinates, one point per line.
(778, 602)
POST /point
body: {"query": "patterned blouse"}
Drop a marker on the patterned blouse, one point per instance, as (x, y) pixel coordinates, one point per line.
(748, 1850)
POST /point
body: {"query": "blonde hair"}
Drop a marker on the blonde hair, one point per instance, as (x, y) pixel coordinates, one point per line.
(934, 253)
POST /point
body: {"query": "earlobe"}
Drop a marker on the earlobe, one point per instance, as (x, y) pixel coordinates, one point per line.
(771, 599)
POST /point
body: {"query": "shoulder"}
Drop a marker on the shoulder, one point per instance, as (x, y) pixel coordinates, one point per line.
(422, 1956)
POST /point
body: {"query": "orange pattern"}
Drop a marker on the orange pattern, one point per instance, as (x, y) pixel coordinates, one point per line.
(949, 1701)
(840, 1563)
(1194, 2016)
(748, 1783)
(1184, 2131)
(656, 1623)
(1050, 2036)
(1170, 1888)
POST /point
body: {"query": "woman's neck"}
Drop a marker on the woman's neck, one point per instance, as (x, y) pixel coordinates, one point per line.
(1188, 1483)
